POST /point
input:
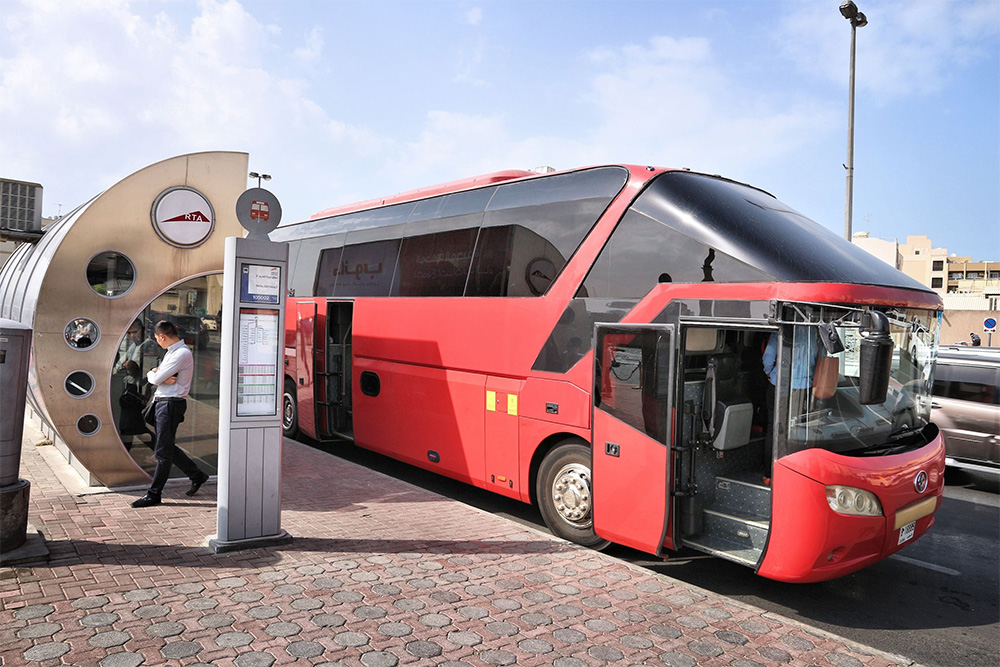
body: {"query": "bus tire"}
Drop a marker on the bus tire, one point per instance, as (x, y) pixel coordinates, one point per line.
(289, 411)
(564, 495)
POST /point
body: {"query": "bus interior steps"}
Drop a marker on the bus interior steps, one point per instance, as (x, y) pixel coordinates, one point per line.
(737, 522)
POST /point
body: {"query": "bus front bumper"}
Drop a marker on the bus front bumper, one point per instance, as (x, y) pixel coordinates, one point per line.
(811, 542)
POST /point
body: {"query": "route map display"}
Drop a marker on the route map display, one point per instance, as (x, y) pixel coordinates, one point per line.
(257, 372)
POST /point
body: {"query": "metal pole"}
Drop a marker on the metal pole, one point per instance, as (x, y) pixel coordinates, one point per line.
(849, 210)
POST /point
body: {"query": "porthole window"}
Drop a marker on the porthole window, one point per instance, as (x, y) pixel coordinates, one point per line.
(111, 274)
(82, 333)
(79, 384)
(88, 424)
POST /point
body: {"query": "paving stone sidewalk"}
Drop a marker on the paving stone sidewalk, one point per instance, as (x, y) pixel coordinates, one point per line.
(379, 573)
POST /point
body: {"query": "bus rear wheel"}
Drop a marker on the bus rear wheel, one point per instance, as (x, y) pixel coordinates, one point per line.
(289, 411)
(564, 494)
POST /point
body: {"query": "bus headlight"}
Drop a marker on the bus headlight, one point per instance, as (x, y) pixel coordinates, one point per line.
(848, 500)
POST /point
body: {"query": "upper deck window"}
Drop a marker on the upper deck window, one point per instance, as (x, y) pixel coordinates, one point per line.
(502, 240)
(643, 251)
(755, 228)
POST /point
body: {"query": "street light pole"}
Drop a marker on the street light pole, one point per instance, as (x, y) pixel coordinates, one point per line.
(849, 10)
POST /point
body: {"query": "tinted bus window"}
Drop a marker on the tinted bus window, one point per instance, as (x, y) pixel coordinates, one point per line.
(513, 261)
(545, 219)
(757, 229)
(448, 206)
(326, 274)
(435, 264)
(366, 269)
(643, 251)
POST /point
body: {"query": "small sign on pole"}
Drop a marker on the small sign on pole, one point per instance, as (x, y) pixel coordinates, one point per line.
(990, 325)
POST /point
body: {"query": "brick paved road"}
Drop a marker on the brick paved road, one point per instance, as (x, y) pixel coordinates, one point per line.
(380, 573)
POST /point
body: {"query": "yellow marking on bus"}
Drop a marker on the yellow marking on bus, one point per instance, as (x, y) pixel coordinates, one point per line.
(491, 401)
(915, 511)
(512, 404)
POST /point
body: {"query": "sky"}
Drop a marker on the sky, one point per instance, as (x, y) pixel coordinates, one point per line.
(345, 101)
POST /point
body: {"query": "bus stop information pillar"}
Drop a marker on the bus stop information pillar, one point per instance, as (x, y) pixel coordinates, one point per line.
(253, 319)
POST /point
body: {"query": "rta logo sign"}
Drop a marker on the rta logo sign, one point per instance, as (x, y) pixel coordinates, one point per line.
(183, 217)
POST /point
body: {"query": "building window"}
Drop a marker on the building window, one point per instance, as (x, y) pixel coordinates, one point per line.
(938, 265)
(974, 275)
(994, 275)
(937, 283)
(955, 275)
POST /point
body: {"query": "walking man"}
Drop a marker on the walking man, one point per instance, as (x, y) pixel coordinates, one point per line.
(173, 382)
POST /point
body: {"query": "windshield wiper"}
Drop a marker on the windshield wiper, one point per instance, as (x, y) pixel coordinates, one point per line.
(904, 432)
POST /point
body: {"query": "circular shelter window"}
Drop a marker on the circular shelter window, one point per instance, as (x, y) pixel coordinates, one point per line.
(88, 424)
(82, 333)
(79, 384)
(111, 274)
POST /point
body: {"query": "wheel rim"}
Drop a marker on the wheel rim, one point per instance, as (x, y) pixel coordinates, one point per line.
(571, 495)
(287, 411)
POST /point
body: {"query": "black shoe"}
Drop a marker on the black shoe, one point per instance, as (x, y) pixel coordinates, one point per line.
(196, 484)
(147, 500)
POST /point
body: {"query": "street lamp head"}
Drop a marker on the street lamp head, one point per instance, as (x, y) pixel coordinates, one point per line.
(849, 11)
(259, 177)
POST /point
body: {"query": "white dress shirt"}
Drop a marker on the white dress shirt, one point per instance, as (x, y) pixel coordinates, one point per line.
(179, 360)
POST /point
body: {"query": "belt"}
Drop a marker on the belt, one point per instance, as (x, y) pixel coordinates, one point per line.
(169, 398)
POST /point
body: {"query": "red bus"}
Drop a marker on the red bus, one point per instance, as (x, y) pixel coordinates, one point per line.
(659, 358)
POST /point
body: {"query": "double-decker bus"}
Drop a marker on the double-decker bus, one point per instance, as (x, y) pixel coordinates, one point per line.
(663, 359)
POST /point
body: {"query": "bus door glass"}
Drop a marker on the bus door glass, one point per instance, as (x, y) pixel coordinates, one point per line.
(633, 424)
(305, 346)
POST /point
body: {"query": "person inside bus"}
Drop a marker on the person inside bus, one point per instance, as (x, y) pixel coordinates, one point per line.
(805, 349)
(173, 382)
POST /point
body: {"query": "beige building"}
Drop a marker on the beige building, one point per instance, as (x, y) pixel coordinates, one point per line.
(970, 290)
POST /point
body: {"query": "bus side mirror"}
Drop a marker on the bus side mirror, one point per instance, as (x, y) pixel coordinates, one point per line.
(876, 358)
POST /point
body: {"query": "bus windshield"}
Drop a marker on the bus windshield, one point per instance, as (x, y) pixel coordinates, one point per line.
(829, 415)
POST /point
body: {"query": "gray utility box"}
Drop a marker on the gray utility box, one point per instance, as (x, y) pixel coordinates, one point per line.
(15, 344)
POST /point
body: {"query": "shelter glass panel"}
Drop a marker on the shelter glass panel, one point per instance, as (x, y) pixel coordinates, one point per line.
(193, 307)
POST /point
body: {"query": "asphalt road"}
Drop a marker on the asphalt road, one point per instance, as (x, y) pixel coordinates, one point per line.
(936, 602)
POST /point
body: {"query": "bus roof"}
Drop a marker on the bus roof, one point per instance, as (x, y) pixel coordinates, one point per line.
(428, 191)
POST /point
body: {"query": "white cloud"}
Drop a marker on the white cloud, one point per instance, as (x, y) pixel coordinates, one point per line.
(908, 47)
(313, 48)
(474, 16)
(670, 100)
(96, 86)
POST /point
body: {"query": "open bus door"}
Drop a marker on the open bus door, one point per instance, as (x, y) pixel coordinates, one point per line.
(632, 431)
(305, 346)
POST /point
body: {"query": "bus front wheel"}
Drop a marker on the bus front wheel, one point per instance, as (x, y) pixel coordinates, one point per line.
(565, 497)
(289, 411)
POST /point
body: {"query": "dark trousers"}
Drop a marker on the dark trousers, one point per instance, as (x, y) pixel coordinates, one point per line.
(769, 427)
(169, 414)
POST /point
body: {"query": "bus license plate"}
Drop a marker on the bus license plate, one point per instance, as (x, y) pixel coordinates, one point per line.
(906, 532)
